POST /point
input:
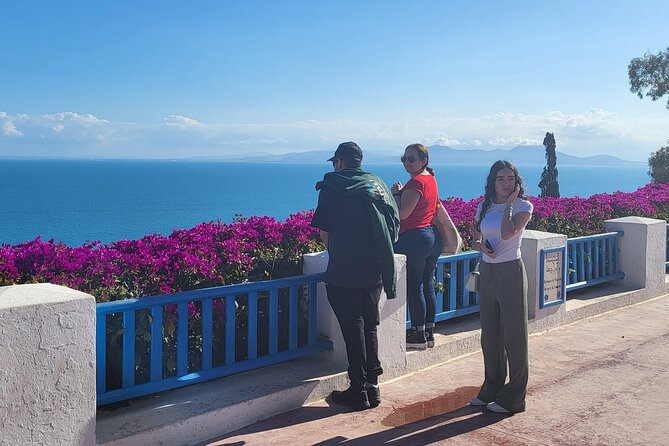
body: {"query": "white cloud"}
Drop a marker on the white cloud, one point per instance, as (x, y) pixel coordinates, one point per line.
(72, 117)
(440, 141)
(182, 122)
(9, 129)
(500, 141)
(70, 134)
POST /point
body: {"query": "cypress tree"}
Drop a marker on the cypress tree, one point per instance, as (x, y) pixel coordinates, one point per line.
(658, 165)
(549, 177)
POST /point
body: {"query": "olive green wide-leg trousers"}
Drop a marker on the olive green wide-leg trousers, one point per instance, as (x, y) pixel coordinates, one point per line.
(503, 306)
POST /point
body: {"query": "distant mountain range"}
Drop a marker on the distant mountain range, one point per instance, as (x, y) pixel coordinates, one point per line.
(520, 155)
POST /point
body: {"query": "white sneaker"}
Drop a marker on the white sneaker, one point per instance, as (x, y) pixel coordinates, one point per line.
(494, 407)
(477, 402)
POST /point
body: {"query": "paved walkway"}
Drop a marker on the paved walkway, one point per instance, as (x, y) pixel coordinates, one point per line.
(600, 381)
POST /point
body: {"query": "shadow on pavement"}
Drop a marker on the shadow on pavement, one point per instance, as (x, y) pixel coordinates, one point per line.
(423, 432)
(416, 424)
(286, 419)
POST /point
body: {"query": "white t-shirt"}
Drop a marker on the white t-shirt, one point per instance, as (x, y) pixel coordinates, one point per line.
(491, 229)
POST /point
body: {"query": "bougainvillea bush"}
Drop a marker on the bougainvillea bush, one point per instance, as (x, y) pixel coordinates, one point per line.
(575, 216)
(210, 254)
(260, 248)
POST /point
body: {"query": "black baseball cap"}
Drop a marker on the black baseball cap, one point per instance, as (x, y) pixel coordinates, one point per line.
(348, 151)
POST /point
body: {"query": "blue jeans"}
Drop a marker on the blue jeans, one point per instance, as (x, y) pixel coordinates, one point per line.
(422, 248)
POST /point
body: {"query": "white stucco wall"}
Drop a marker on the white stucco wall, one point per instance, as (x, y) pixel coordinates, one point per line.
(392, 329)
(47, 366)
(642, 251)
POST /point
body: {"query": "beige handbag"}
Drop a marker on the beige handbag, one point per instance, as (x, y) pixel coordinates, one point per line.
(447, 230)
(472, 281)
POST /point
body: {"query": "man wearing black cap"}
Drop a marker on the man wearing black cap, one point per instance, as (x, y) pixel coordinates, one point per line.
(359, 223)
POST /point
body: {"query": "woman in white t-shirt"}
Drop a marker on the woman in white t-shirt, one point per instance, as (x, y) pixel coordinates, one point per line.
(500, 221)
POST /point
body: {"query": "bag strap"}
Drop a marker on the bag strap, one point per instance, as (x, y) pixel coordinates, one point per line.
(478, 261)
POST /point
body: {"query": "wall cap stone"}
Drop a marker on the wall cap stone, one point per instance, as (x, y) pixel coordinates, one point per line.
(37, 294)
(644, 220)
(539, 235)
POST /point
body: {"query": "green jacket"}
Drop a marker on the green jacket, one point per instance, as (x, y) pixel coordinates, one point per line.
(382, 210)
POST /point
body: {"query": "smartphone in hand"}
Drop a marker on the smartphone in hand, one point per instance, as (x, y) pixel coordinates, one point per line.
(489, 246)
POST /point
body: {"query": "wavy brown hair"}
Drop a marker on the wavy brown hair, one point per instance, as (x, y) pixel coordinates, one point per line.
(490, 194)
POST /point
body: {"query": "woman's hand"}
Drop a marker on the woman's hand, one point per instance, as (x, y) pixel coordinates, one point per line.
(480, 245)
(489, 252)
(397, 187)
(514, 195)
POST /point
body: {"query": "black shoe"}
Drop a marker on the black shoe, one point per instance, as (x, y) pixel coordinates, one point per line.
(373, 394)
(416, 340)
(355, 399)
(429, 337)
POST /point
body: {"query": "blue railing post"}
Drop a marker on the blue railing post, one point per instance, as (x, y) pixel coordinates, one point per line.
(253, 326)
(156, 343)
(292, 318)
(273, 321)
(101, 352)
(128, 348)
(609, 256)
(312, 313)
(440, 294)
(616, 250)
(182, 338)
(230, 314)
(207, 333)
(598, 247)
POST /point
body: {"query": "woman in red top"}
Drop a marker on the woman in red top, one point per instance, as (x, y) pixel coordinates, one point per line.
(420, 242)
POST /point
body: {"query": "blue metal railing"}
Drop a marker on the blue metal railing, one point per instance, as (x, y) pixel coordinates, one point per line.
(453, 300)
(157, 343)
(593, 260)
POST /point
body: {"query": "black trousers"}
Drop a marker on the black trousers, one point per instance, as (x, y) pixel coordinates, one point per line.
(357, 310)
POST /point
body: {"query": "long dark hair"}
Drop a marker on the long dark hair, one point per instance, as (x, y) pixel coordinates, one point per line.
(422, 152)
(490, 194)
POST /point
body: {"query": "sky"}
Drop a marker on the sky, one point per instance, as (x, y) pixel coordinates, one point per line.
(167, 79)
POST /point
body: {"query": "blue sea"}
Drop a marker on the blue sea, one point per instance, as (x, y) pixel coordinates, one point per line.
(79, 201)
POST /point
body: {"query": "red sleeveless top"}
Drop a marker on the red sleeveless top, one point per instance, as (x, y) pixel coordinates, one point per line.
(422, 214)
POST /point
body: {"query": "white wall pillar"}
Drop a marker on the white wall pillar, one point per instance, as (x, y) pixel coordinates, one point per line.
(326, 322)
(392, 330)
(642, 251)
(532, 244)
(47, 365)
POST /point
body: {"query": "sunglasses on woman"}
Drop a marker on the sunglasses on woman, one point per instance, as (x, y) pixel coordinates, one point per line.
(409, 158)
